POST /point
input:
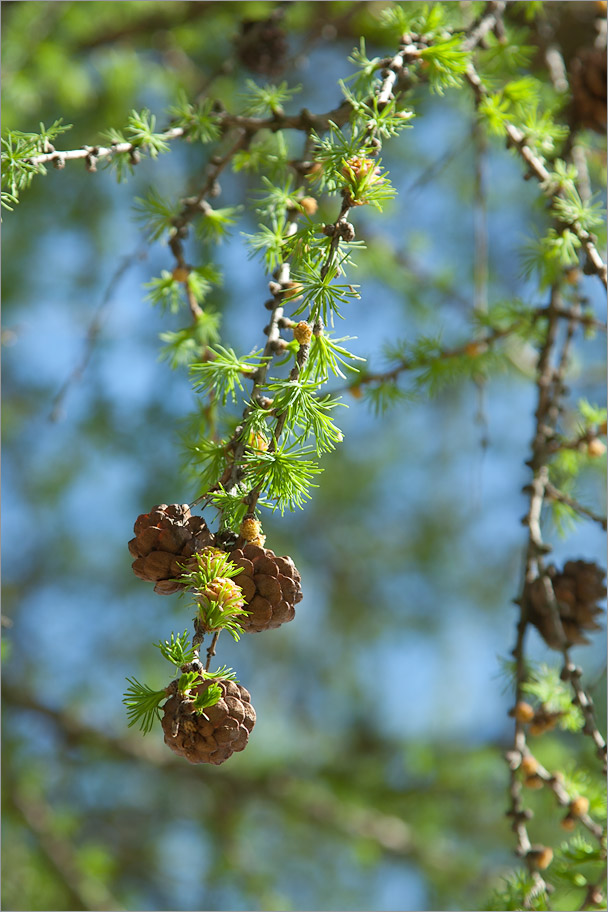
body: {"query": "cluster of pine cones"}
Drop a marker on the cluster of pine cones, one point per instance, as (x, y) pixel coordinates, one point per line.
(165, 545)
(577, 589)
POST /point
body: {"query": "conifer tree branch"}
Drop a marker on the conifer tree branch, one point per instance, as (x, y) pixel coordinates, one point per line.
(305, 121)
(96, 152)
(490, 20)
(550, 386)
(517, 139)
(87, 892)
(545, 415)
(573, 673)
(564, 799)
(473, 347)
(93, 332)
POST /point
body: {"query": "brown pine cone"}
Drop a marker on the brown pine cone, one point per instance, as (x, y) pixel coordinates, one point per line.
(271, 587)
(588, 72)
(164, 538)
(577, 589)
(262, 46)
(214, 734)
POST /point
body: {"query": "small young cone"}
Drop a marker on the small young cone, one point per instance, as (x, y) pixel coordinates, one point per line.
(302, 332)
(250, 528)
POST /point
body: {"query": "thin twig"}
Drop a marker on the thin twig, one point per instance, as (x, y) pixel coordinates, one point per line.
(211, 649)
(489, 21)
(472, 347)
(97, 152)
(87, 892)
(594, 895)
(545, 415)
(392, 836)
(480, 272)
(564, 800)
(155, 20)
(571, 672)
(93, 331)
(554, 493)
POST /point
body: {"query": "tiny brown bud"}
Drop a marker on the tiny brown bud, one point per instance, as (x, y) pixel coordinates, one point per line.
(540, 857)
(529, 765)
(474, 349)
(522, 712)
(315, 168)
(346, 230)
(181, 273)
(302, 333)
(544, 720)
(258, 442)
(595, 448)
(533, 782)
(568, 822)
(579, 806)
(309, 204)
(596, 897)
(292, 290)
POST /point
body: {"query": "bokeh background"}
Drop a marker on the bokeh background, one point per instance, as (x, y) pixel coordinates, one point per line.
(374, 777)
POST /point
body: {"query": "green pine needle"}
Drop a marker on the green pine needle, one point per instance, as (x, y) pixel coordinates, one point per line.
(143, 704)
